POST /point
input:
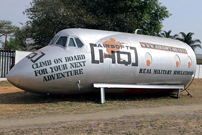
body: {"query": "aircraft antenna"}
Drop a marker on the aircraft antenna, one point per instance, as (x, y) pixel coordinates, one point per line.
(137, 30)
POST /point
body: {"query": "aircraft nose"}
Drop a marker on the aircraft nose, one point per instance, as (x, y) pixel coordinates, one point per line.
(34, 72)
(13, 76)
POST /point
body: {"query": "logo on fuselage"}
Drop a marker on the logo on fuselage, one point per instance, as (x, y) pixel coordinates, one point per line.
(114, 51)
(112, 46)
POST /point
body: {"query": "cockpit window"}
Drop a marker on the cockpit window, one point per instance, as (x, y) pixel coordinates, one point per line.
(53, 40)
(62, 41)
(71, 42)
(79, 43)
(67, 41)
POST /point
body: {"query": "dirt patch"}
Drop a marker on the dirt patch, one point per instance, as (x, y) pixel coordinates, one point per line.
(5, 90)
(99, 115)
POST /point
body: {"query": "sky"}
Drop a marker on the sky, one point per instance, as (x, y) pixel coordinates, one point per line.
(12, 10)
(186, 15)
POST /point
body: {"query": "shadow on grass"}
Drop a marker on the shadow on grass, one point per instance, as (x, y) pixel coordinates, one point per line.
(32, 98)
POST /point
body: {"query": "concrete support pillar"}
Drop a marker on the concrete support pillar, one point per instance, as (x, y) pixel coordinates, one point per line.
(102, 92)
(179, 93)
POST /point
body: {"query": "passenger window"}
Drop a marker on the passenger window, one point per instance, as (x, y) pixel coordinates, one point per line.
(62, 41)
(71, 42)
(79, 43)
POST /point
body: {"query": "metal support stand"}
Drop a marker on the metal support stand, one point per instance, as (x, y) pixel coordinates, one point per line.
(179, 93)
(102, 92)
(189, 93)
(102, 87)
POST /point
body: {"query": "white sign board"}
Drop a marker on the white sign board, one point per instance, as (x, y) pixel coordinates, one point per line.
(19, 55)
(198, 74)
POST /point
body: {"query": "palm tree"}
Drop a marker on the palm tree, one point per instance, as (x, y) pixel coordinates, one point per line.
(166, 34)
(187, 38)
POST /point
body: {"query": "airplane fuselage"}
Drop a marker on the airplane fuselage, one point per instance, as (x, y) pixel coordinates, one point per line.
(77, 58)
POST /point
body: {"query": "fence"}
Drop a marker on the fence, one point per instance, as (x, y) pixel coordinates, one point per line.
(198, 74)
(7, 61)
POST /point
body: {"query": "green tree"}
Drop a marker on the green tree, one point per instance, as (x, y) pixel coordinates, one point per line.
(21, 34)
(187, 38)
(14, 44)
(6, 28)
(47, 17)
(127, 15)
(17, 42)
(167, 34)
